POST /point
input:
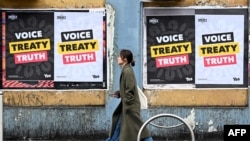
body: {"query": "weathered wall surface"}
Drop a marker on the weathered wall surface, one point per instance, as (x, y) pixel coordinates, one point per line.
(53, 114)
(51, 3)
(47, 114)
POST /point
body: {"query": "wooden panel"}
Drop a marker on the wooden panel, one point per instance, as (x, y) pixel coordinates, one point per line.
(53, 98)
(198, 97)
(185, 3)
(225, 3)
(177, 3)
(51, 3)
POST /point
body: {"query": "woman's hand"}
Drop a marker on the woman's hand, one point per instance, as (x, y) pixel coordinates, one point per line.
(116, 94)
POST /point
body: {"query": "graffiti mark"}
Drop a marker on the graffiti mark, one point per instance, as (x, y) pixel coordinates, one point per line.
(24, 100)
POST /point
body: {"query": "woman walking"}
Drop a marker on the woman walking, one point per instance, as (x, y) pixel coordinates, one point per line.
(126, 119)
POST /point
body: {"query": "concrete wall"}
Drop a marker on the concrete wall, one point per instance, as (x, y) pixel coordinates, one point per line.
(85, 114)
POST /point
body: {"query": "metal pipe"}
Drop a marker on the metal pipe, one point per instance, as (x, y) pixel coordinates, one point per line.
(165, 115)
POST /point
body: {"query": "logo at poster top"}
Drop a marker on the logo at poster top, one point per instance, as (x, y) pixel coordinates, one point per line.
(12, 17)
(153, 20)
(202, 20)
(61, 17)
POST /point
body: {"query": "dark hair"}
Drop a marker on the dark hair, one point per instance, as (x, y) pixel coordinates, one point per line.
(124, 53)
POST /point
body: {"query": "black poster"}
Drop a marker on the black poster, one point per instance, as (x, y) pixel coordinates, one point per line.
(29, 57)
(1, 44)
(170, 40)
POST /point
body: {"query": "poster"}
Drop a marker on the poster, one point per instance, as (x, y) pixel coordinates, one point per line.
(28, 51)
(1, 63)
(169, 48)
(80, 57)
(221, 47)
(248, 46)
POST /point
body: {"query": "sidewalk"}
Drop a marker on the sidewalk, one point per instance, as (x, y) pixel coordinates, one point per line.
(102, 140)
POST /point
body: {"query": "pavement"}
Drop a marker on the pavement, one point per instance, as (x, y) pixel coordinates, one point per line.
(104, 140)
(101, 138)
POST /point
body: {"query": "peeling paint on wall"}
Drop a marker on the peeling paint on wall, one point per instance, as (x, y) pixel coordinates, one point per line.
(191, 119)
(211, 127)
(110, 42)
(19, 117)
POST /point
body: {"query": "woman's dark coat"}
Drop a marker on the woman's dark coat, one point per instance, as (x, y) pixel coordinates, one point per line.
(129, 107)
